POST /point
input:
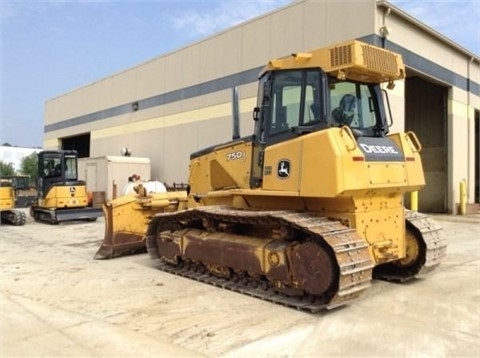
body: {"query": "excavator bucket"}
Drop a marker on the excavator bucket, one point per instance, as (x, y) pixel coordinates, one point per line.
(127, 218)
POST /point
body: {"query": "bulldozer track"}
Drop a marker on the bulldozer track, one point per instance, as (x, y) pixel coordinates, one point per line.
(267, 294)
(432, 234)
(432, 249)
(348, 248)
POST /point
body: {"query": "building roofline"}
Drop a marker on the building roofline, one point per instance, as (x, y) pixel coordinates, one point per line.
(426, 28)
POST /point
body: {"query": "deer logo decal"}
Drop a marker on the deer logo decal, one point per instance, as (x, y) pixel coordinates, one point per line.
(283, 169)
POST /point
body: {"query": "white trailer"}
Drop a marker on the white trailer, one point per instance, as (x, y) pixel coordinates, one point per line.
(101, 173)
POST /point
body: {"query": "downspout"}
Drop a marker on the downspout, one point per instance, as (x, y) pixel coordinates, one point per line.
(469, 125)
(384, 29)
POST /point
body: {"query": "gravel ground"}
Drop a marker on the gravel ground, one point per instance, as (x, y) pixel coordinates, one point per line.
(57, 301)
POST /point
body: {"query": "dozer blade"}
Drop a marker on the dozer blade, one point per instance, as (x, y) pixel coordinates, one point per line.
(127, 218)
(125, 225)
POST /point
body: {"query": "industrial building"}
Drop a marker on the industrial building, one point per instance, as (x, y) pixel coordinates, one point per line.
(180, 102)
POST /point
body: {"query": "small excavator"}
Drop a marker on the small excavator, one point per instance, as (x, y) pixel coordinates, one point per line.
(60, 195)
(306, 210)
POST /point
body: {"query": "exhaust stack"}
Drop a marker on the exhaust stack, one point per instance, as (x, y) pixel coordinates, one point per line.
(235, 114)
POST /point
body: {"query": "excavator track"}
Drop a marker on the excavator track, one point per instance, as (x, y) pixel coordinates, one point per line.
(432, 248)
(43, 215)
(346, 249)
(54, 215)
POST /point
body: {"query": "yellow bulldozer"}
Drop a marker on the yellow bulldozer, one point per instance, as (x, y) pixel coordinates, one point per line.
(306, 210)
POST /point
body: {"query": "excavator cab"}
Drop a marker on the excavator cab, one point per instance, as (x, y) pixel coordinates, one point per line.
(61, 195)
(55, 168)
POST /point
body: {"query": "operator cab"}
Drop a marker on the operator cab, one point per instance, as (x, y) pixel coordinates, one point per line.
(56, 168)
(300, 101)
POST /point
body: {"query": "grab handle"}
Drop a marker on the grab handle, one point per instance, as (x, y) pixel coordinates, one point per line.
(349, 133)
(414, 140)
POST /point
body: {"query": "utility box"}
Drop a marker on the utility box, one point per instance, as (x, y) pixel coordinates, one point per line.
(101, 173)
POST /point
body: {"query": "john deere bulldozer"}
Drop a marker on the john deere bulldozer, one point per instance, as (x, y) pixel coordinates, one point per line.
(9, 215)
(60, 195)
(309, 208)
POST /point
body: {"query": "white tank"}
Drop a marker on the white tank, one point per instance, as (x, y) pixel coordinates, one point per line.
(150, 186)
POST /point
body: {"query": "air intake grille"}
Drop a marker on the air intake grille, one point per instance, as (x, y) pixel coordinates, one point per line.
(340, 56)
(379, 60)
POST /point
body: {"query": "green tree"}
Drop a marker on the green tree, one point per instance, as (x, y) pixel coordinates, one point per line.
(29, 166)
(6, 169)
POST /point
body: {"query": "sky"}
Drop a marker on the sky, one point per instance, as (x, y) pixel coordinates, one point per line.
(50, 47)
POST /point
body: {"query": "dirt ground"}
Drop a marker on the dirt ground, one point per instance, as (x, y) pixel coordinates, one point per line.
(56, 300)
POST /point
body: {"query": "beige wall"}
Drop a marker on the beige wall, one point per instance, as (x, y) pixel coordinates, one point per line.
(461, 141)
(300, 26)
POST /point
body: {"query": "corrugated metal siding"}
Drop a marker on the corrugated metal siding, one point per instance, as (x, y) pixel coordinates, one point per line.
(426, 115)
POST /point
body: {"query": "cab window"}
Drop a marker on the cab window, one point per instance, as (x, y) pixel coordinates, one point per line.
(351, 104)
(295, 100)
